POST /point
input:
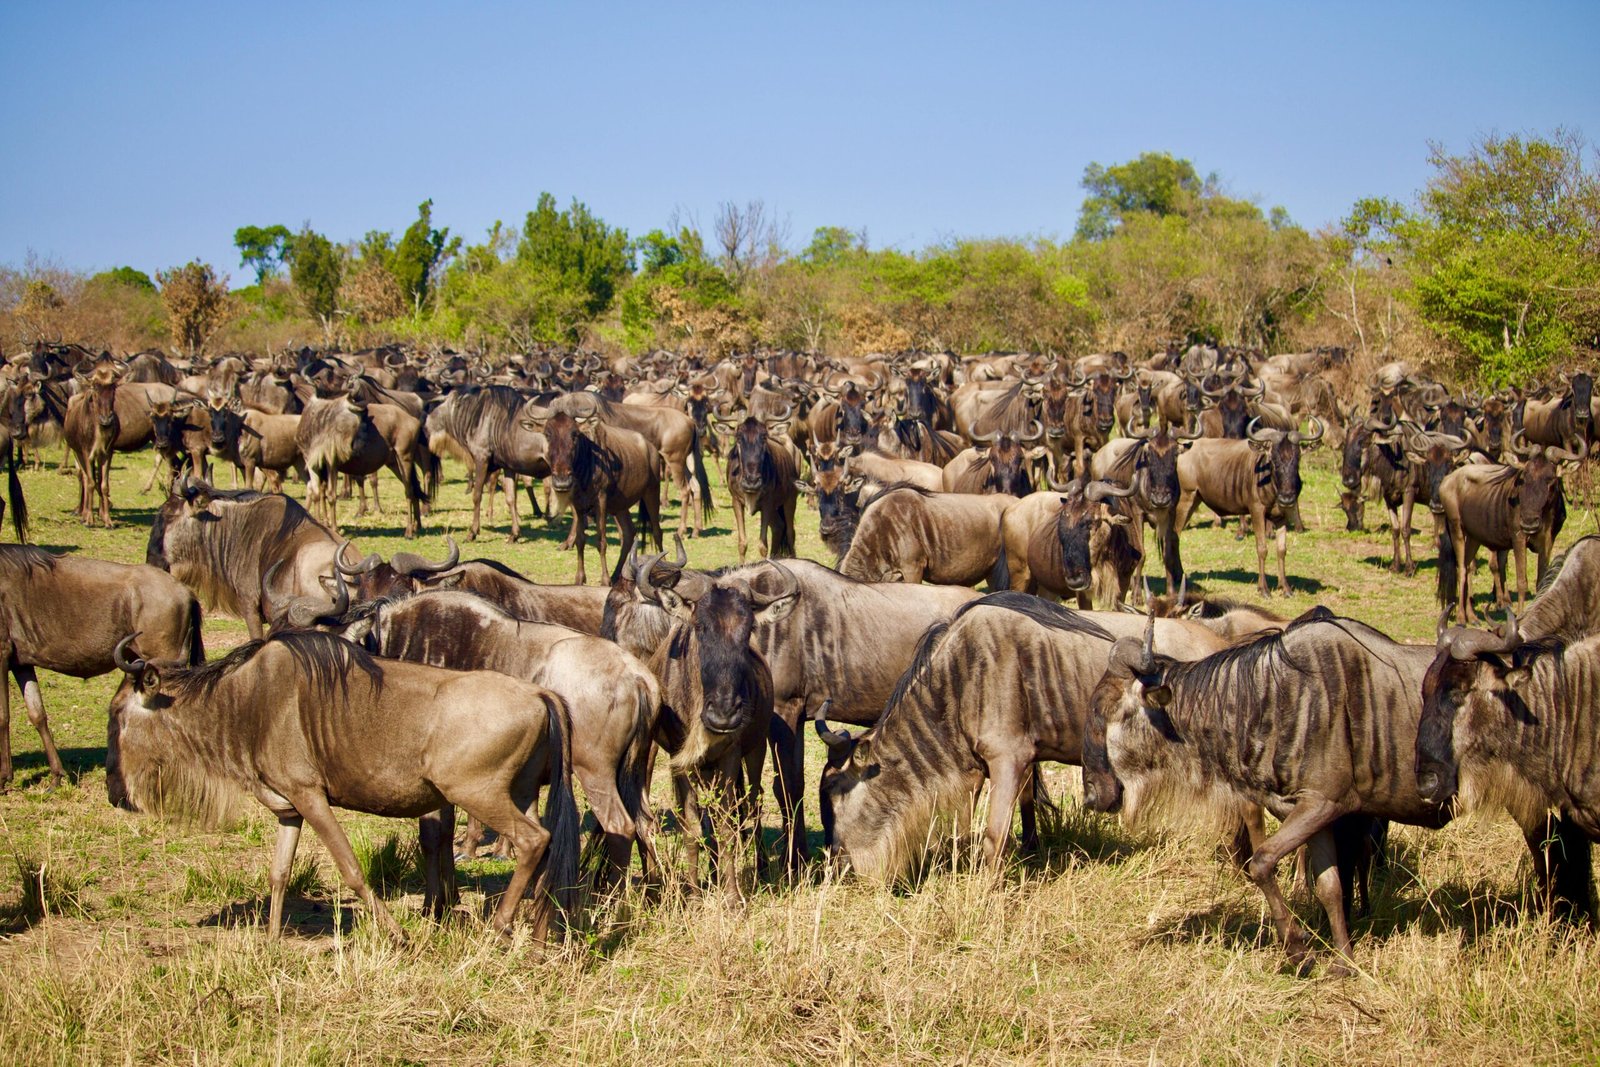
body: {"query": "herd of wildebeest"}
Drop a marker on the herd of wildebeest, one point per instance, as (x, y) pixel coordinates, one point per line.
(409, 687)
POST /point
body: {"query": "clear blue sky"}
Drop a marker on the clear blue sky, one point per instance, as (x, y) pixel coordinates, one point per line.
(145, 133)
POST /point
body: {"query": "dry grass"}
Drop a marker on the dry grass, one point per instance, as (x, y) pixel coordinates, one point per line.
(142, 941)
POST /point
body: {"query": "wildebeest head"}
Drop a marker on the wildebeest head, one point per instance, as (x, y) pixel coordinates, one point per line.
(1007, 460)
(568, 452)
(1278, 465)
(752, 464)
(405, 572)
(1156, 468)
(719, 617)
(141, 686)
(101, 386)
(1103, 399)
(1580, 395)
(1232, 399)
(1127, 732)
(1471, 713)
(1434, 454)
(168, 419)
(1539, 488)
(919, 402)
(1493, 421)
(227, 419)
(841, 746)
(838, 497)
(851, 421)
(1057, 395)
(1082, 527)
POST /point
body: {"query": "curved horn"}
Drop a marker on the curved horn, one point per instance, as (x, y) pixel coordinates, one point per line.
(831, 738)
(1520, 445)
(791, 586)
(119, 656)
(410, 564)
(1038, 432)
(1313, 438)
(1562, 455)
(984, 439)
(366, 566)
(1255, 434)
(1099, 492)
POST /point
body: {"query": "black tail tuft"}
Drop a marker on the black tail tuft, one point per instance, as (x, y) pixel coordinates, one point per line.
(700, 475)
(1000, 577)
(1449, 571)
(197, 647)
(19, 503)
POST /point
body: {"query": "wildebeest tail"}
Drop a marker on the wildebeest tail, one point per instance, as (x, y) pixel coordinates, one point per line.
(633, 772)
(700, 475)
(1047, 808)
(19, 504)
(1000, 577)
(561, 810)
(197, 647)
(432, 466)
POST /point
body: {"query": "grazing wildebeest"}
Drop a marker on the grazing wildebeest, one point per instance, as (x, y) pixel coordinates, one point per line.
(1505, 508)
(91, 428)
(862, 632)
(1072, 541)
(1002, 686)
(613, 698)
(1259, 477)
(908, 534)
(234, 548)
(601, 471)
(1314, 723)
(305, 721)
(67, 613)
(997, 463)
(1510, 723)
(761, 475)
(716, 704)
(487, 426)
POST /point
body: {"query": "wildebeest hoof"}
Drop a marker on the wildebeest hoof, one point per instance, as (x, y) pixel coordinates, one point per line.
(1339, 968)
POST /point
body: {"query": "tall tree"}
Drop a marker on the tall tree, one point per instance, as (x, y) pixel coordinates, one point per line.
(421, 253)
(197, 303)
(315, 270)
(261, 248)
(1156, 183)
(577, 250)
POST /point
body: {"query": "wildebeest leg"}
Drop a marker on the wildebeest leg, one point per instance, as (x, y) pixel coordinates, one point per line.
(1322, 868)
(496, 808)
(1310, 815)
(749, 809)
(1006, 776)
(155, 469)
(788, 784)
(1185, 508)
(625, 537)
(314, 808)
(1520, 549)
(1283, 551)
(480, 475)
(738, 523)
(1259, 518)
(5, 735)
(580, 537)
(1026, 800)
(103, 480)
(436, 833)
(282, 865)
(1501, 597)
(33, 701)
(688, 797)
(472, 839)
(1563, 867)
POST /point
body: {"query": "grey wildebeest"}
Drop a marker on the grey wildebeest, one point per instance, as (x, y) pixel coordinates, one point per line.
(67, 613)
(613, 698)
(1072, 541)
(1505, 508)
(907, 534)
(1147, 462)
(1510, 723)
(845, 641)
(997, 463)
(1002, 686)
(486, 426)
(91, 428)
(601, 472)
(1258, 477)
(761, 476)
(1315, 723)
(306, 722)
(348, 435)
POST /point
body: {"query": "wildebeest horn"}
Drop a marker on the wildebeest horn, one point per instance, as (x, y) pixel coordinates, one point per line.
(791, 585)
(1519, 445)
(366, 566)
(1100, 491)
(1050, 476)
(788, 409)
(683, 557)
(1038, 432)
(410, 564)
(1255, 434)
(1562, 455)
(119, 656)
(984, 439)
(1311, 439)
(1465, 644)
(1147, 655)
(831, 738)
(1141, 432)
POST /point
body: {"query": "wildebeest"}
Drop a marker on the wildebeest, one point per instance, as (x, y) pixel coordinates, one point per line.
(908, 534)
(1004, 685)
(997, 463)
(13, 450)
(1148, 464)
(675, 436)
(67, 613)
(306, 722)
(486, 424)
(348, 435)
(91, 428)
(1072, 541)
(612, 697)
(1510, 723)
(601, 472)
(837, 495)
(1259, 477)
(1565, 419)
(1505, 508)
(577, 607)
(1314, 723)
(761, 476)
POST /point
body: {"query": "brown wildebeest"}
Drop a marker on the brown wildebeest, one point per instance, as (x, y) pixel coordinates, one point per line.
(1072, 541)
(716, 694)
(347, 435)
(305, 721)
(837, 495)
(1510, 723)
(601, 472)
(672, 432)
(91, 428)
(613, 698)
(13, 450)
(66, 614)
(761, 473)
(908, 534)
(577, 607)
(1003, 685)
(489, 426)
(1147, 462)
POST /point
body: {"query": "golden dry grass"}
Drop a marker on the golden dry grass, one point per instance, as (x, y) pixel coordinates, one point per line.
(123, 939)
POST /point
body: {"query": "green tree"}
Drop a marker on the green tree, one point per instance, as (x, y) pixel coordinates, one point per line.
(130, 277)
(1155, 183)
(576, 252)
(421, 253)
(197, 303)
(1504, 253)
(315, 270)
(261, 248)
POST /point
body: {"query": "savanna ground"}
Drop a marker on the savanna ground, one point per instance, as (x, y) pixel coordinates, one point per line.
(124, 939)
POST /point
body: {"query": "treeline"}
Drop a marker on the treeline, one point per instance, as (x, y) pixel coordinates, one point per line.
(1492, 273)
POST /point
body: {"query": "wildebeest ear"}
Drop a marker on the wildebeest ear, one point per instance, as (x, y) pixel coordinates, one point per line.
(674, 603)
(862, 753)
(449, 581)
(778, 610)
(805, 487)
(1517, 678)
(149, 680)
(1157, 696)
(358, 630)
